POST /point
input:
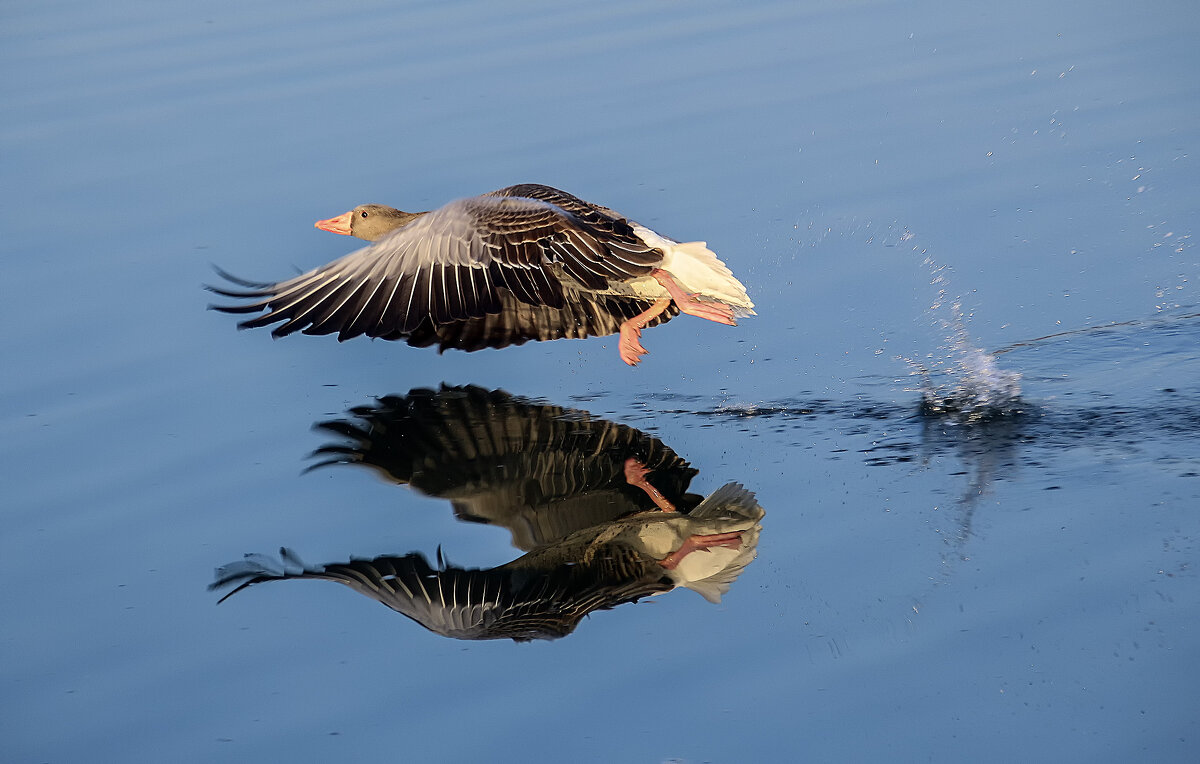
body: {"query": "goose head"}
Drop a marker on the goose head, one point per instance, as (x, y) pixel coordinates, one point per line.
(368, 221)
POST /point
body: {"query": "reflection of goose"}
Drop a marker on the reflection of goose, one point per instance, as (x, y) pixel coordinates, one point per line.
(541, 471)
(601, 509)
(545, 593)
(526, 262)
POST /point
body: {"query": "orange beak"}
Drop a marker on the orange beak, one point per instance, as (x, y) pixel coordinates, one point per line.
(339, 224)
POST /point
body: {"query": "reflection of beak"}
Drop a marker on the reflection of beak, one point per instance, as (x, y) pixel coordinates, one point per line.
(340, 224)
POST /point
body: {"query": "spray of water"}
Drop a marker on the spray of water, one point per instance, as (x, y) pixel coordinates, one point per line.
(961, 381)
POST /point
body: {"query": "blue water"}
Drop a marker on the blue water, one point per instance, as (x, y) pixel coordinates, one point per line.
(899, 185)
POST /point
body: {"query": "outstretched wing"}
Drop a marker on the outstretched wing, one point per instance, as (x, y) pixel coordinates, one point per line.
(454, 264)
(583, 314)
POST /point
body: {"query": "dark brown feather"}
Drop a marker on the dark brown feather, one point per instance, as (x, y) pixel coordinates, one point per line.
(447, 277)
(583, 315)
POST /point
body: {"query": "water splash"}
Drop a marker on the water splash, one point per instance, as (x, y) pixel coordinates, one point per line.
(962, 382)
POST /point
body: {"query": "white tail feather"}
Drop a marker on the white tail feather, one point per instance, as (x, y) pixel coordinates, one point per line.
(699, 270)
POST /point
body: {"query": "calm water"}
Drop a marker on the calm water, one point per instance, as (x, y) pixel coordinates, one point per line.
(901, 186)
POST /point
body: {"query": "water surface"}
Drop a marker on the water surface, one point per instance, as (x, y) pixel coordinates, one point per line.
(947, 588)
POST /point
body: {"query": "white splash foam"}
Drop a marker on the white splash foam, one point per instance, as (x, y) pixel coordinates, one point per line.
(962, 381)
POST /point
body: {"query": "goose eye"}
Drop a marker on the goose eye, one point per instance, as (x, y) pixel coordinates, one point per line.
(363, 213)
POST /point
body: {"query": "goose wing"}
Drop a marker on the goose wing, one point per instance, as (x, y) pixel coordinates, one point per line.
(597, 217)
(454, 264)
(583, 314)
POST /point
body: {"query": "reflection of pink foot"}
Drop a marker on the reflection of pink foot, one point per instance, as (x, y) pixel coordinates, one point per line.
(731, 540)
(635, 475)
(629, 346)
(713, 311)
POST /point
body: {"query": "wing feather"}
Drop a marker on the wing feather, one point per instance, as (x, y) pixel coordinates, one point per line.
(463, 262)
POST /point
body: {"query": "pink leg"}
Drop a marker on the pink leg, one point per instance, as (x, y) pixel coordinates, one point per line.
(713, 311)
(635, 475)
(630, 348)
(730, 540)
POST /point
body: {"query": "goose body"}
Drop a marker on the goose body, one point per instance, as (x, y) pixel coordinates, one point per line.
(526, 262)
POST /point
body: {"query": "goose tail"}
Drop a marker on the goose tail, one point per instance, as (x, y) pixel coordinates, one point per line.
(700, 270)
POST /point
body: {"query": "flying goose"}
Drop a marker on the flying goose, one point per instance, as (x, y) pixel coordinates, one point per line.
(526, 262)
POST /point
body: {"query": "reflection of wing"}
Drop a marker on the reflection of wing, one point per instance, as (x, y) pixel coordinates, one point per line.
(546, 592)
(539, 596)
(541, 471)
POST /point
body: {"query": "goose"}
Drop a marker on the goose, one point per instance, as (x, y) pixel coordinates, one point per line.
(525, 262)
